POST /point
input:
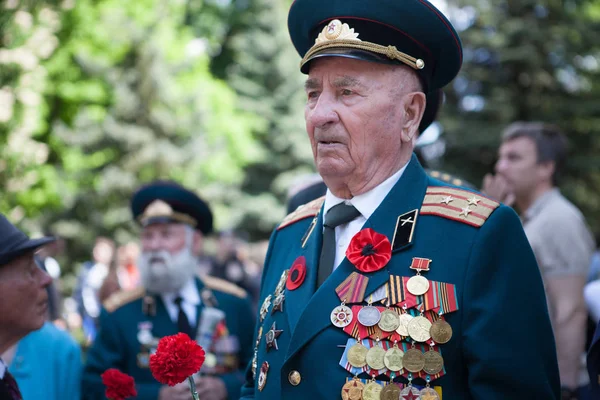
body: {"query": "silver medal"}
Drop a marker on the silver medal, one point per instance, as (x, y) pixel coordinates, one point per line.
(369, 316)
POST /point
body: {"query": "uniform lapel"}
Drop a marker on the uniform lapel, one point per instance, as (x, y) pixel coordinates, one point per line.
(405, 196)
(297, 299)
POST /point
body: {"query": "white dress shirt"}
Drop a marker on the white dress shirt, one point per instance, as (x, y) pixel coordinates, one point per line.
(191, 299)
(366, 204)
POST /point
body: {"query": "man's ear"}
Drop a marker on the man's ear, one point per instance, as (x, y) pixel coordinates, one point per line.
(414, 107)
(546, 169)
(197, 242)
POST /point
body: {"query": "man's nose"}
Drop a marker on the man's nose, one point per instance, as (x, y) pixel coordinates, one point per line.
(324, 112)
(154, 243)
(501, 166)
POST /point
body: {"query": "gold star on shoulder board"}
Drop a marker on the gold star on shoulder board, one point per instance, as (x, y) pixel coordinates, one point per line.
(474, 201)
(465, 211)
(447, 200)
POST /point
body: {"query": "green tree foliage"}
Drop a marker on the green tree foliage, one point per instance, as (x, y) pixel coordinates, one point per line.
(132, 99)
(527, 60)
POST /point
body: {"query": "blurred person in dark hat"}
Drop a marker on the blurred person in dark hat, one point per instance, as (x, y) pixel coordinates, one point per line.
(217, 313)
(395, 285)
(23, 295)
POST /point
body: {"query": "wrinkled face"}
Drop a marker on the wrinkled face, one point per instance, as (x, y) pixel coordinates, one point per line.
(167, 261)
(353, 118)
(517, 164)
(23, 296)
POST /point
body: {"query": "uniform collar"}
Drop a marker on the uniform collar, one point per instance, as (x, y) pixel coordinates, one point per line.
(368, 202)
(189, 294)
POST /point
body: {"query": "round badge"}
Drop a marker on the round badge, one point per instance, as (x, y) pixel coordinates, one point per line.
(418, 329)
(441, 331)
(429, 394)
(417, 285)
(262, 377)
(341, 316)
(297, 274)
(357, 355)
(375, 357)
(393, 359)
(434, 363)
(352, 390)
(413, 360)
(389, 322)
(369, 316)
(409, 392)
(371, 391)
(390, 392)
(403, 327)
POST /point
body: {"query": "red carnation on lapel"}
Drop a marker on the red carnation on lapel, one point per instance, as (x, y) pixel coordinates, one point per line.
(369, 251)
(177, 357)
(119, 386)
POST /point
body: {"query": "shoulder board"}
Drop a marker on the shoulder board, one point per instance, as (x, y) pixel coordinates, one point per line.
(224, 286)
(457, 204)
(122, 297)
(447, 178)
(304, 211)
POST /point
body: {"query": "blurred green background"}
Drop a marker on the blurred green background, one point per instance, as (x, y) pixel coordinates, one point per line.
(97, 97)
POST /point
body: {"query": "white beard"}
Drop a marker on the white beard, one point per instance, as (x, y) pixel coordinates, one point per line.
(162, 272)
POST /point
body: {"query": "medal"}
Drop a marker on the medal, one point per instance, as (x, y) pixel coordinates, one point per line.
(429, 394)
(418, 329)
(441, 331)
(371, 391)
(418, 284)
(434, 363)
(278, 303)
(357, 355)
(409, 393)
(264, 308)
(369, 316)
(262, 377)
(389, 321)
(351, 290)
(353, 390)
(341, 316)
(375, 357)
(254, 364)
(405, 319)
(281, 284)
(413, 360)
(393, 358)
(390, 392)
(271, 337)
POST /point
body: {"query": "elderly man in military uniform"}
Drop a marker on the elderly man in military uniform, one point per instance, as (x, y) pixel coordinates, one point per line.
(173, 299)
(394, 285)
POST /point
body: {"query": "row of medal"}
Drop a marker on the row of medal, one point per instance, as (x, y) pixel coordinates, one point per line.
(392, 359)
(363, 389)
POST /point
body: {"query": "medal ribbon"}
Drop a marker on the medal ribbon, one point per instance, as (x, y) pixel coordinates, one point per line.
(420, 264)
(352, 289)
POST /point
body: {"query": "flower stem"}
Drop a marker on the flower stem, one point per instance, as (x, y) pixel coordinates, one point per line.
(193, 388)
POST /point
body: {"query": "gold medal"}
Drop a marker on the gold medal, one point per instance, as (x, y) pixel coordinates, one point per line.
(371, 391)
(352, 390)
(393, 358)
(390, 392)
(429, 394)
(417, 285)
(357, 355)
(375, 357)
(389, 322)
(404, 321)
(441, 331)
(434, 363)
(418, 329)
(413, 360)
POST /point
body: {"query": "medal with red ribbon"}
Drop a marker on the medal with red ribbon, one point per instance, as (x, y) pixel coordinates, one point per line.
(351, 290)
(418, 284)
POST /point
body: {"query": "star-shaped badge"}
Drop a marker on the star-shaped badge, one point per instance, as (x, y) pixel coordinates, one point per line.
(447, 200)
(264, 309)
(474, 201)
(465, 211)
(278, 303)
(271, 337)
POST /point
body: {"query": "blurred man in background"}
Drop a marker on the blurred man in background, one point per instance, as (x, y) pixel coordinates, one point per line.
(23, 295)
(530, 160)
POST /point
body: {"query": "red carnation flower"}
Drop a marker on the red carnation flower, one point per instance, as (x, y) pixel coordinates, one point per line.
(369, 251)
(177, 357)
(119, 386)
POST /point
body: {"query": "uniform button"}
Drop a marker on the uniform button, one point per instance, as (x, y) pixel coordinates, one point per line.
(294, 377)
